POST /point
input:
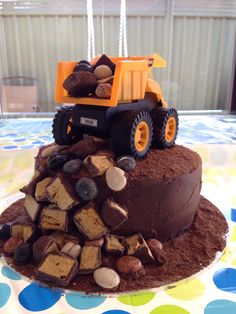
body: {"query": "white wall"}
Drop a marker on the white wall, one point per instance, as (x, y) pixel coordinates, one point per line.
(196, 37)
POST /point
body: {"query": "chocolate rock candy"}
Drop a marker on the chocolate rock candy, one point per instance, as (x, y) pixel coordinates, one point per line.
(61, 192)
(137, 246)
(89, 223)
(57, 268)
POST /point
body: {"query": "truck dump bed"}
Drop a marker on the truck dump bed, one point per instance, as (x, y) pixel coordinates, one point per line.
(130, 80)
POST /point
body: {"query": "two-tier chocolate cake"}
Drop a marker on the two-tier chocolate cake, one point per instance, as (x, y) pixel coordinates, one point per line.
(109, 213)
(86, 212)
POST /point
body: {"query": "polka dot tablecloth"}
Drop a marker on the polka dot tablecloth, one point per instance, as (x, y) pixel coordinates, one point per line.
(213, 291)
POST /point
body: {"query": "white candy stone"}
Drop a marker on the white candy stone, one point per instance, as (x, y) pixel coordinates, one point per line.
(75, 251)
(115, 178)
(71, 249)
(106, 278)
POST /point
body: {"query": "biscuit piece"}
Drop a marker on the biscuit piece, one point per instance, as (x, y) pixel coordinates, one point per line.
(40, 191)
(58, 237)
(23, 229)
(113, 214)
(61, 238)
(97, 165)
(57, 268)
(114, 245)
(30, 187)
(32, 207)
(60, 192)
(43, 246)
(137, 246)
(89, 222)
(90, 259)
(52, 218)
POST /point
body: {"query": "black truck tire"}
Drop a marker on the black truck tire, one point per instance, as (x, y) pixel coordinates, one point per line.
(63, 130)
(131, 133)
(165, 127)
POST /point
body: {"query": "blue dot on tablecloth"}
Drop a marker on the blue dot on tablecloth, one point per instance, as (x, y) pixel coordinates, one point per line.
(115, 312)
(225, 279)
(10, 147)
(36, 298)
(83, 302)
(5, 292)
(26, 146)
(233, 214)
(220, 307)
(10, 273)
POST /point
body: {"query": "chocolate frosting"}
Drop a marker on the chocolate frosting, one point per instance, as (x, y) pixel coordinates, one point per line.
(162, 193)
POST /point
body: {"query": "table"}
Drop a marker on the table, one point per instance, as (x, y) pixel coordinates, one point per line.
(211, 291)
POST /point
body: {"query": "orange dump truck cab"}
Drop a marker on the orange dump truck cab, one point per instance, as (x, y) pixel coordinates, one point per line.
(135, 117)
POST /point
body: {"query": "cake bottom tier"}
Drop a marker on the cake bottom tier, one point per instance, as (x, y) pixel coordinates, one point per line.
(187, 254)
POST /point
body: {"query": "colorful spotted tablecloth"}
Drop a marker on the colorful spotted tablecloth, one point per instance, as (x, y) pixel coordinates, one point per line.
(212, 291)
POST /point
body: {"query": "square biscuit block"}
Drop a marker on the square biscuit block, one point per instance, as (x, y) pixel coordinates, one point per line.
(61, 238)
(32, 207)
(113, 214)
(57, 268)
(97, 165)
(61, 193)
(58, 237)
(114, 245)
(23, 229)
(40, 191)
(89, 223)
(137, 246)
(90, 259)
(52, 218)
(31, 186)
(43, 246)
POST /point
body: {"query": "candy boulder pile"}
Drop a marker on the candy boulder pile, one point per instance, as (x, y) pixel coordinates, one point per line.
(66, 232)
(94, 222)
(91, 80)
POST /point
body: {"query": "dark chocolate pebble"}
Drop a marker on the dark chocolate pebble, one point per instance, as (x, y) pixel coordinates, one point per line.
(72, 166)
(84, 61)
(23, 254)
(5, 231)
(83, 67)
(57, 162)
(127, 163)
(86, 189)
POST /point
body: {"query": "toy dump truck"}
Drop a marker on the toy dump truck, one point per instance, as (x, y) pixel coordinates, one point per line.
(135, 117)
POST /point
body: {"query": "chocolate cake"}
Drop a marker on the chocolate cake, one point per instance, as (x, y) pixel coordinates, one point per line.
(111, 224)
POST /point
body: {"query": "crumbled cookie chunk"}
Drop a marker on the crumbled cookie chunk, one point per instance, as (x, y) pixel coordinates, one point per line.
(89, 222)
(61, 193)
(113, 214)
(52, 218)
(90, 259)
(97, 165)
(32, 207)
(40, 191)
(57, 268)
(43, 246)
(114, 245)
(137, 246)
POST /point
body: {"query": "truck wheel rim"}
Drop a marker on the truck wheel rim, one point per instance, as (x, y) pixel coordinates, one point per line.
(141, 136)
(69, 126)
(170, 129)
